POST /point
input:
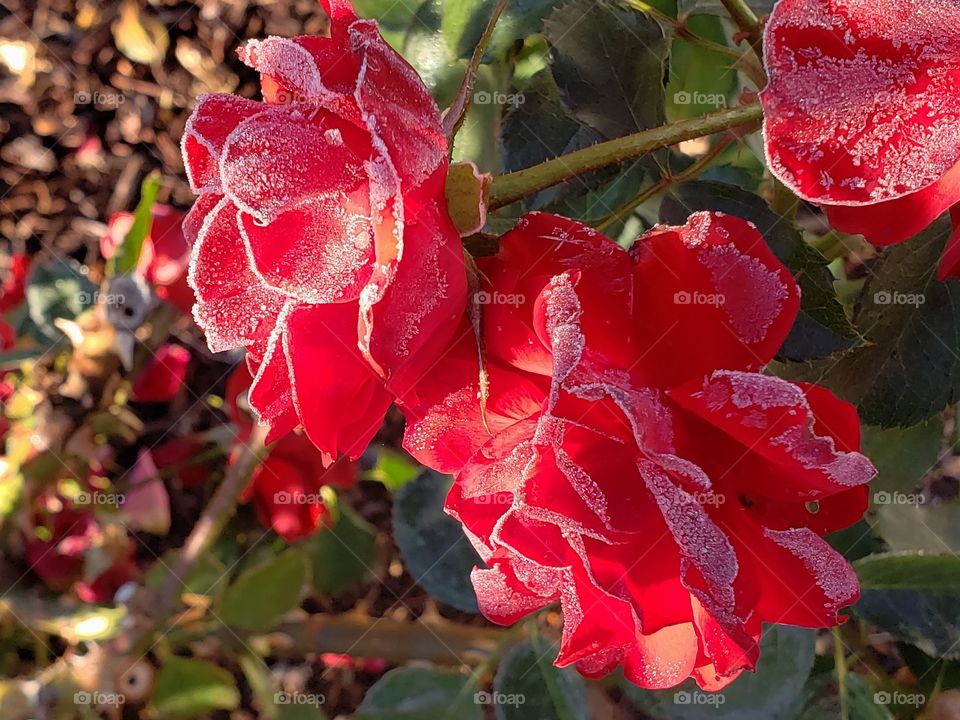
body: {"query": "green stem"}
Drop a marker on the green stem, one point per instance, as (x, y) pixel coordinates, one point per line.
(516, 185)
(841, 668)
(665, 182)
(746, 19)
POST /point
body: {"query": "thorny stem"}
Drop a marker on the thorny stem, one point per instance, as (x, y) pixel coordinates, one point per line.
(840, 666)
(210, 525)
(457, 113)
(665, 182)
(679, 29)
(746, 19)
(514, 186)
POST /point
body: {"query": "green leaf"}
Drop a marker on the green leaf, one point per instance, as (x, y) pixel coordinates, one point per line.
(913, 596)
(701, 80)
(342, 555)
(527, 685)
(465, 20)
(57, 289)
(774, 692)
(126, 256)
(417, 693)
(432, 544)
(188, 688)
(208, 575)
(910, 368)
(821, 328)
(393, 469)
(824, 704)
(609, 64)
(906, 524)
(262, 595)
(903, 456)
(909, 571)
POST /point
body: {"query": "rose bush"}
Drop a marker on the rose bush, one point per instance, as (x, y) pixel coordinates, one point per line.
(626, 458)
(861, 113)
(322, 243)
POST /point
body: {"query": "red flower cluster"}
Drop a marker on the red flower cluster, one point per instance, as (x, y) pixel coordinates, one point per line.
(286, 487)
(628, 460)
(322, 242)
(862, 113)
(615, 446)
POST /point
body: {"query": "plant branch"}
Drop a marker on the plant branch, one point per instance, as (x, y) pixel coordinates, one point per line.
(517, 185)
(746, 19)
(665, 182)
(211, 523)
(457, 112)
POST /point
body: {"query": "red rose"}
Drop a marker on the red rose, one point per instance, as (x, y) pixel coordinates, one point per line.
(862, 112)
(629, 460)
(163, 376)
(322, 242)
(13, 285)
(164, 256)
(286, 487)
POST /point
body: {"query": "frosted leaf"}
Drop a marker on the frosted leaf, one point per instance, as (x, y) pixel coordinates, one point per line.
(833, 575)
(862, 103)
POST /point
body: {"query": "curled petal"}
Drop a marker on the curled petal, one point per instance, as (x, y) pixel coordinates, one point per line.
(708, 295)
(208, 127)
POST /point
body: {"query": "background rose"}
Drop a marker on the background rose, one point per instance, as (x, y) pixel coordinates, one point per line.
(621, 461)
(861, 112)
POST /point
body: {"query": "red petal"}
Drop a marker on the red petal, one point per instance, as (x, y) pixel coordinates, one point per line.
(319, 251)
(862, 102)
(286, 154)
(774, 425)
(234, 308)
(897, 220)
(708, 295)
(206, 132)
(163, 377)
(341, 401)
(503, 599)
(411, 324)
